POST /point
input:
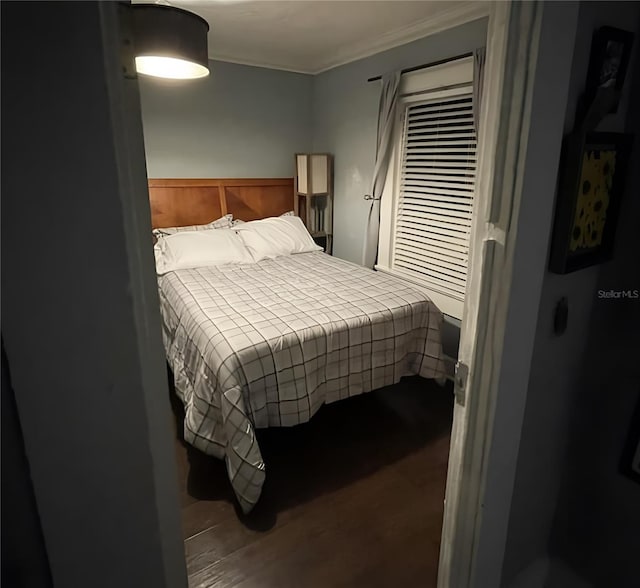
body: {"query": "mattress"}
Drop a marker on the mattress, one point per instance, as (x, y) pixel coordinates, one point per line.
(267, 344)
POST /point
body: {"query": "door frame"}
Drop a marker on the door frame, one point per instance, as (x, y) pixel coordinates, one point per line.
(512, 29)
(475, 391)
(495, 355)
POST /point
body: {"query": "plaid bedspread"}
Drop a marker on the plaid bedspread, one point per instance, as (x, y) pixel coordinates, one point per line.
(266, 344)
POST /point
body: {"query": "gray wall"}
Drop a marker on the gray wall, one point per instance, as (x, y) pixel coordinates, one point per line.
(345, 115)
(607, 392)
(239, 122)
(80, 318)
(579, 375)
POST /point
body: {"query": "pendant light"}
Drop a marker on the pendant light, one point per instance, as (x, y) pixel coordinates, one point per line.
(170, 42)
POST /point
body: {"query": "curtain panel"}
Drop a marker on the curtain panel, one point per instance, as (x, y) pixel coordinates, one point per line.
(386, 117)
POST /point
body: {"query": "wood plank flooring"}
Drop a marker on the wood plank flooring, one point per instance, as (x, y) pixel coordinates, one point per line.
(352, 499)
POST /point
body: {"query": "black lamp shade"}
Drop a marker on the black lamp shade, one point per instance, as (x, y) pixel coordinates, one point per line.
(170, 42)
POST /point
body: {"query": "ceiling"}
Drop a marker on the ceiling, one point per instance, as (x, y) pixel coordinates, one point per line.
(311, 36)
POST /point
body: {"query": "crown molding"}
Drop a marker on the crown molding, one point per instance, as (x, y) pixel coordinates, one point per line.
(255, 63)
(457, 15)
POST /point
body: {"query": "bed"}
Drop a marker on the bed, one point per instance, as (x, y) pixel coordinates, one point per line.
(266, 344)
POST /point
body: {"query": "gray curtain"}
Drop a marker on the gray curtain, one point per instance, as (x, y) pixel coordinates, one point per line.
(478, 75)
(386, 116)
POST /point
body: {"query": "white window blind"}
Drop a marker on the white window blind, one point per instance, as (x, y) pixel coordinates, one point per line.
(435, 200)
(427, 205)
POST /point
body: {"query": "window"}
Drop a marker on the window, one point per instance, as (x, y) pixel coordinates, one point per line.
(428, 201)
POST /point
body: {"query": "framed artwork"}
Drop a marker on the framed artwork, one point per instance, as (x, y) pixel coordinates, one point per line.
(610, 52)
(592, 182)
(630, 464)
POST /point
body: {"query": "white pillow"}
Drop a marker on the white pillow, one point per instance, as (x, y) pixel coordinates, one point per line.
(272, 237)
(192, 249)
(224, 222)
(236, 221)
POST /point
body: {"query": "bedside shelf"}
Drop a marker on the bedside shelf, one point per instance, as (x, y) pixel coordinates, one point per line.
(313, 196)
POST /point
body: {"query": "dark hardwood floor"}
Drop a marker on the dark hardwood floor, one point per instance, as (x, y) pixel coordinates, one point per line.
(353, 498)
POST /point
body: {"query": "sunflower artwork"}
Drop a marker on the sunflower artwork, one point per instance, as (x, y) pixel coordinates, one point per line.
(596, 183)
(592, 184)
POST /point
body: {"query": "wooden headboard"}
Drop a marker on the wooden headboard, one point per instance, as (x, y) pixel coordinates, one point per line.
(176, 202)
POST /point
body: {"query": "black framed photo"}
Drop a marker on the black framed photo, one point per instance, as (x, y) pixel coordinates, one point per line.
(610, 52)
(592, 180)
(630, 463)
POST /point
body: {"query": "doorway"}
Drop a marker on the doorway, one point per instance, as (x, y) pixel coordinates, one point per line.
(130, 179)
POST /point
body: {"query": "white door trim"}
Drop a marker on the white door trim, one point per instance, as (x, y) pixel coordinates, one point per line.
(484, 449)
(126, 121)
(512, 46)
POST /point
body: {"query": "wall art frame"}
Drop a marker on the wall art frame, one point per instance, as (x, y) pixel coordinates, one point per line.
(592, 181)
